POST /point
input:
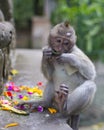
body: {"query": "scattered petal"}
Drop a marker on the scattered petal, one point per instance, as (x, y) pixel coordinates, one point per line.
(30, 90)
(39, 84)
(20, 96)
(25, 98)
(30, 93)
(11, 83)
(37, 90)
(10, 88)
(11, 125)
(40, 109)
(25, 93)
(14, 109)
(16, 89)
(15, 102)
(23, 87)
(9, 94)
(9, 77)
(52, 110)
(14, 72)
(5, 102)
(5, 94)
(5, 108)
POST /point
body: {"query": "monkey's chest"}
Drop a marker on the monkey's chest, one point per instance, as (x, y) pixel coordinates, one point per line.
(64, 75)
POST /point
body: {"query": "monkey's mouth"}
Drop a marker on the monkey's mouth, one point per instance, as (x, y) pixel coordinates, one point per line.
(56, 52)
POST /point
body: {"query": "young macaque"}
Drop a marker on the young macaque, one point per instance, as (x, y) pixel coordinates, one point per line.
(70, 74)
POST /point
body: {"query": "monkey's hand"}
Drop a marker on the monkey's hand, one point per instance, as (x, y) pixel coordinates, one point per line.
(63, 58)
(61, 96)
(47, 52)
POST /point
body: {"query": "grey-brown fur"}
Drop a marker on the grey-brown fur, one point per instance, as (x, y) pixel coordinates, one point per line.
(72, 68)
(64, 63)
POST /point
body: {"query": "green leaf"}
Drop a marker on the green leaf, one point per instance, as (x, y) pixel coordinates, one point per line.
(89, 44)
(94, 30)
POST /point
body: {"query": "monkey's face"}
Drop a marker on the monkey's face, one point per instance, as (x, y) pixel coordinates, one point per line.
(62, 38)
(60, 44)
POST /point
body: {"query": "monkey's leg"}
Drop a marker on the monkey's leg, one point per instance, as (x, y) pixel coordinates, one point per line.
(75, 119)
(48, 94)
(81, 97)
(78, 101)
(61, 97)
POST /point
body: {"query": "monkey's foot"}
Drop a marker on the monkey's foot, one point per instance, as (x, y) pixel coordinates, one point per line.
(61, 96)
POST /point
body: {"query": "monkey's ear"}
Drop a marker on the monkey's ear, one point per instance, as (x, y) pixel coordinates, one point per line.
(66, 23)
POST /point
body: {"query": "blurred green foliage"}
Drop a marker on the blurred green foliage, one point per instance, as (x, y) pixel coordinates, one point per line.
(87, 17)
(23, 12)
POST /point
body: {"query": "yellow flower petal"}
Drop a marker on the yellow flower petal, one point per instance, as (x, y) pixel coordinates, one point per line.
(30, 90)
(14, 72)
(52, 110)
(9, 77)
(13, 109)
(25, 98)
(15, 102)
(37, 90)
(24, 88)
(11, 125)
(5, 108)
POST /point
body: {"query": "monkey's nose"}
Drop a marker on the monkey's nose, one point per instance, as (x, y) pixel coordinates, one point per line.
(58, 48)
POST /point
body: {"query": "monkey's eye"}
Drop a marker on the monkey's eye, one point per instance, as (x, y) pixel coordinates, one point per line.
(58, 40)
(66, 42)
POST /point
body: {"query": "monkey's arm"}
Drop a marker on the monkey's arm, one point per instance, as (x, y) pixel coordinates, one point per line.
(46, 64)
(80, 61)
(47, 68)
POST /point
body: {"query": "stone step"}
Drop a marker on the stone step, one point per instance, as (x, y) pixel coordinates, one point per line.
(28, 64)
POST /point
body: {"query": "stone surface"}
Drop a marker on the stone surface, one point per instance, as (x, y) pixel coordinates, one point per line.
(35, 121)
(28, 65)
